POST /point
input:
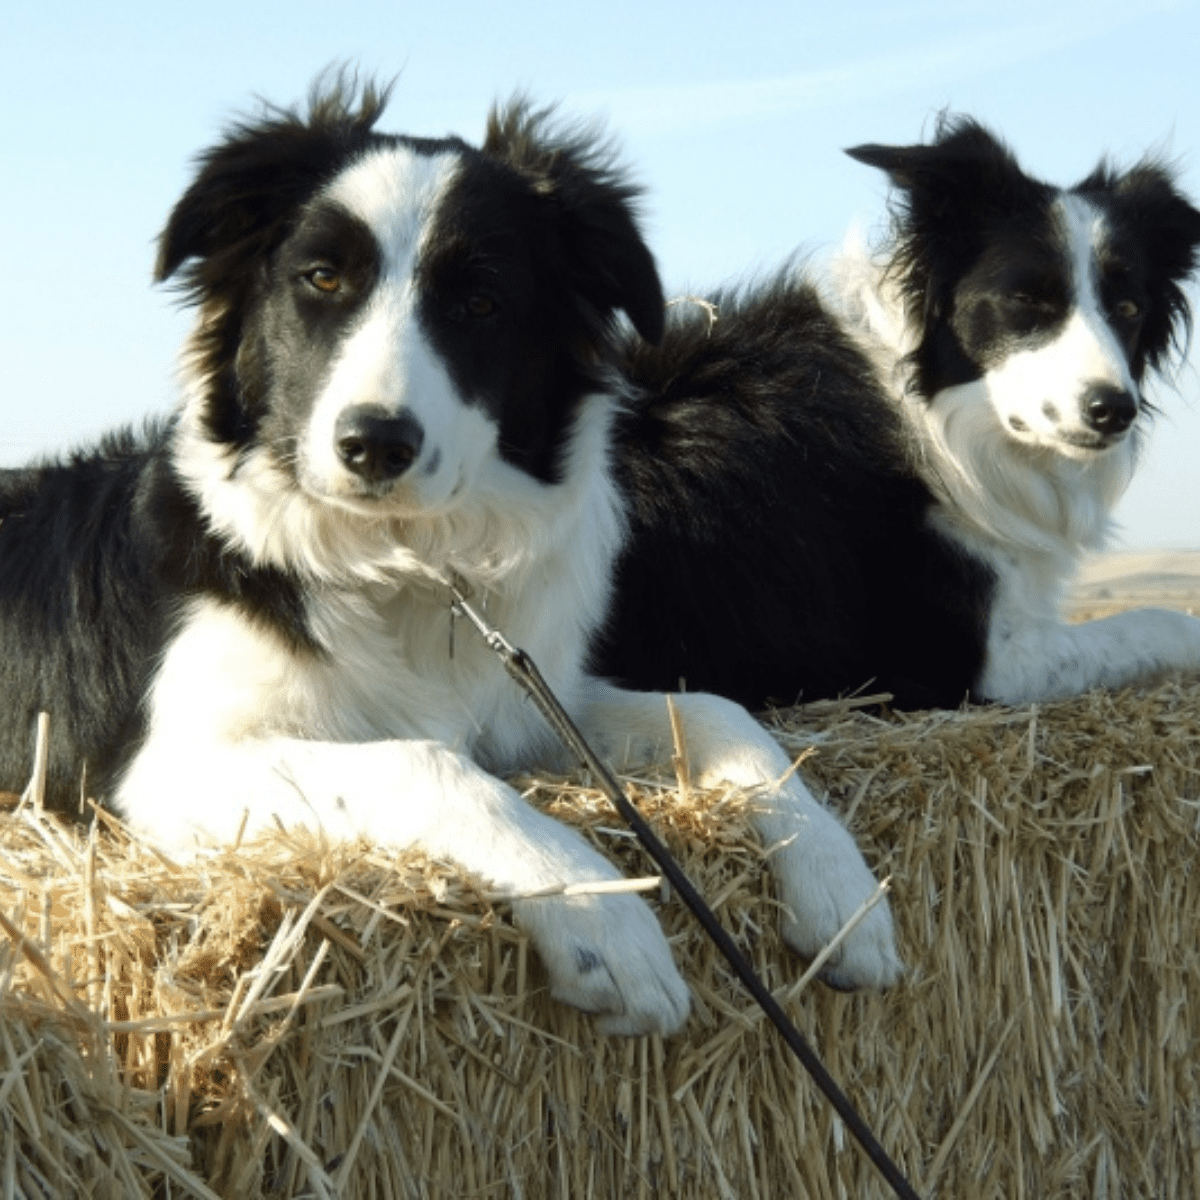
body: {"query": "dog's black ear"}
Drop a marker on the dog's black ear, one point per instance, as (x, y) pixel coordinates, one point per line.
(245, 185)
(1167, 223)
(1166, 229)
(595, 205)
(898, 161)
(965, 170)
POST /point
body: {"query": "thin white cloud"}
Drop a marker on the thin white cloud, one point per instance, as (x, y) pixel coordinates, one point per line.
(1000, 38)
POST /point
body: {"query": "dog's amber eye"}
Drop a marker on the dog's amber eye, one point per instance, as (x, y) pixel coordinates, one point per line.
(325, 279)
(1127, 310)
(480, 306)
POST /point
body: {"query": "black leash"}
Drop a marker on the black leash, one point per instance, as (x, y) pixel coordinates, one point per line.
(523, 669)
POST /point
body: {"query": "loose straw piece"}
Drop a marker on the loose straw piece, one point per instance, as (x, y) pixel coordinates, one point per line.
(595, 887)
(679, 760)
(856, 919)
(35, 792)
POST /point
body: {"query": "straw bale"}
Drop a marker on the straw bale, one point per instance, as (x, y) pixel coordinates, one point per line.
(297, 1019)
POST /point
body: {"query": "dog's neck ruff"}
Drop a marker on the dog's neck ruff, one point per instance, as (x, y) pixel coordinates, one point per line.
(505, 528)
(990, 486)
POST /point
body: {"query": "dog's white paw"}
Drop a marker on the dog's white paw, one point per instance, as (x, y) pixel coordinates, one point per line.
(607, 955)
(823, 881)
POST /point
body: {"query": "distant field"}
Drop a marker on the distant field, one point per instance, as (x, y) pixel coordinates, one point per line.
(1134, 579)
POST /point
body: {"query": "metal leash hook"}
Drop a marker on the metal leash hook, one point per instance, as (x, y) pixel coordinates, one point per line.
(523, 669)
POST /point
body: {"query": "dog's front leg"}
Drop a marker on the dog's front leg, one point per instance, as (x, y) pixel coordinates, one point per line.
(822, 877)
(605, 953)
(1034, 659)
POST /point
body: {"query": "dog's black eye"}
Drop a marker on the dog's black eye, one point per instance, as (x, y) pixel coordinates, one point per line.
(1127, 310)
(324, 279)
(479, 306)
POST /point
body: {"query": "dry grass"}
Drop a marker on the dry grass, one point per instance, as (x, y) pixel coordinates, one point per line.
(295, 1019)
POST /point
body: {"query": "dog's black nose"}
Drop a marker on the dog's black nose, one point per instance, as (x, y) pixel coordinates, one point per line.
(375, 445)
(1108, 409)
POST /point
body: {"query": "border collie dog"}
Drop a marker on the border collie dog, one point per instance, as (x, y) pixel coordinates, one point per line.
(401, 371)
(893, 477)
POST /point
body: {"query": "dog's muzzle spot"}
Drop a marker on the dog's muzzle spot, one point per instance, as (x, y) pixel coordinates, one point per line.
(1051, 413)
(1018, 424)
(1108, 410)
(375, 445)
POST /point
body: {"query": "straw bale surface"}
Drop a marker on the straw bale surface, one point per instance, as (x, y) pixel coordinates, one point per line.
(293, 1019)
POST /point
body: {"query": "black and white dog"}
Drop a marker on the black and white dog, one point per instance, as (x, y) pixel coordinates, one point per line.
(401, 368)
(894, 477)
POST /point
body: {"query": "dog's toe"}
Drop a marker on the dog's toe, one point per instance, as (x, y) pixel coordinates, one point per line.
(607, 955)
(866, 959)
(822, 891)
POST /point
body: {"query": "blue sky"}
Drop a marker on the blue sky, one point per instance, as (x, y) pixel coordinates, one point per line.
(732, 115)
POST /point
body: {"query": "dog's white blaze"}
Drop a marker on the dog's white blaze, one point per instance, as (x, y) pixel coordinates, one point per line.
(396, 192)
(386, 360)
(1087, 232)
(1043, 388)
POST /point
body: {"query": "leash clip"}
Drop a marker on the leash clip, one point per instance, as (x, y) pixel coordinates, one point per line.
(461, 593)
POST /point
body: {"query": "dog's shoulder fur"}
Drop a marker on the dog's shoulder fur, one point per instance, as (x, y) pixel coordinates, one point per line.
(779, 543)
